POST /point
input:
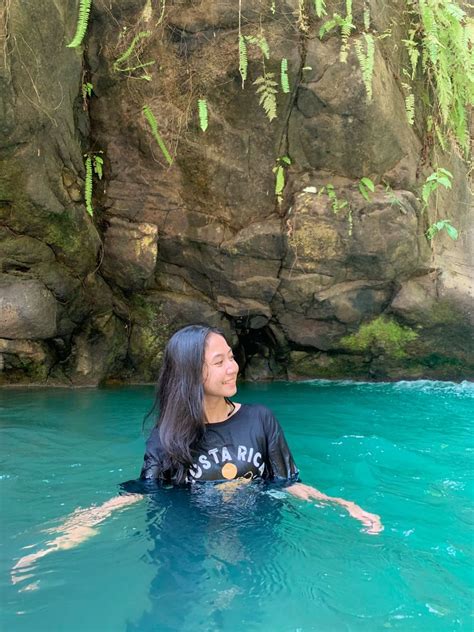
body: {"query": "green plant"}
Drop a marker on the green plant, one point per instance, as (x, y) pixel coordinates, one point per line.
(203, 114)
(381, 335)
(346, 26)
(284, 82)
(409, 102)
(320, 8)
(366, 185)
(279, 170)
(366, 61)
(267, 90)
(443, 224)
(132, 49)
(440, 177)
(336, 203)
(82, 21)
(243, 59)
(150, 117)
(93, 164)
(87, 90)
(442, 37)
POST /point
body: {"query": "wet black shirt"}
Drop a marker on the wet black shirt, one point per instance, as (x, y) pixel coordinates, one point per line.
(249, 444)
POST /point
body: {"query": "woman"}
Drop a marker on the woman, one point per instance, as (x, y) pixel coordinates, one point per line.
(201, 435)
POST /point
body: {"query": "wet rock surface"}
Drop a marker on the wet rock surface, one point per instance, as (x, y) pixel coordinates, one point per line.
(324, 284)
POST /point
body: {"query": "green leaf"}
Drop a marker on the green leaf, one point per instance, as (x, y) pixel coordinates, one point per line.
(88, 186)
(98, 162)
(279, 180)
(452, 232)
(446, 182)
(368, 183)
(445, 172)
(285, 84)
(363, 192)
(82, 21)
(203, 114)
(150, 117)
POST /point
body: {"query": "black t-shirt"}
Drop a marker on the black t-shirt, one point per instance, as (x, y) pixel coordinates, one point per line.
(249, 444)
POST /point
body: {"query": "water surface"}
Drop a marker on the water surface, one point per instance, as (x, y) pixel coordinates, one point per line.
(253, 560)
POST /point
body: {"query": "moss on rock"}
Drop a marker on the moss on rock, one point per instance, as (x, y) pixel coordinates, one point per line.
(381, 335)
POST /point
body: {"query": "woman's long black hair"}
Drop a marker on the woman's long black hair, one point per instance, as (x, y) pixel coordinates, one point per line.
(179, 403)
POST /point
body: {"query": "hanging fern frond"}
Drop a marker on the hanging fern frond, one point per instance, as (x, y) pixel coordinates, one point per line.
(88, 186)
(346, 27)
(285, 84)
(282, 163)
(409, 103)
(98, 164)
(150, 117)
(366, 18)
(413, 51)
(81, 26)
(329, 25)
(320, 8)
(243, 60)
(118, 63)
(267, 91)
(261, 42)
(366, 61)
(203, 115)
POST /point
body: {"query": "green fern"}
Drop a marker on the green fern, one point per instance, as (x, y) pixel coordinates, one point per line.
(150, 117)
(285, 84)
(413, 51)
(443, 224)
(88, 186)
(279, 170)
(267, 91)
(98, 163)
(261, 42)
(366, 18)
(81, 26)
(442, 35)
(320, 8)
(243, 59)
(346, 27)
(118, 63)
(409, 103)
(203, 115)
(366, 62)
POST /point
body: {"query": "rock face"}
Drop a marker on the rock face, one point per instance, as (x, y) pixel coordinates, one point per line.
(322, 283)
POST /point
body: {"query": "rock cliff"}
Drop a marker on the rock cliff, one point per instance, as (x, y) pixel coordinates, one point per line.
(324, 282)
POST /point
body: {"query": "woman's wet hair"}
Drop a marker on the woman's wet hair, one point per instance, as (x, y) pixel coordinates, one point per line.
(179, 402)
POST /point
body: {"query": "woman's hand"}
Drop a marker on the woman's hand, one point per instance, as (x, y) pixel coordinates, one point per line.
(371, 522)
(75, 530)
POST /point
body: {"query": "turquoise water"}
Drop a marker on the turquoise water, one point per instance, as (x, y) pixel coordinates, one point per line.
(252, 560)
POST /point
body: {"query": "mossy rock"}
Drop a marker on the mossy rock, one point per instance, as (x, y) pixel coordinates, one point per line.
(382, 335)
(305, 365)
(148, 338)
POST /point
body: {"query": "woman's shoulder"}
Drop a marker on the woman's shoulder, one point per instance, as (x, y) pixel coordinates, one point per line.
(257, 411)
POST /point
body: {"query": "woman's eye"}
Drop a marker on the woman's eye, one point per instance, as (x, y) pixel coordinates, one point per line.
(219, 363)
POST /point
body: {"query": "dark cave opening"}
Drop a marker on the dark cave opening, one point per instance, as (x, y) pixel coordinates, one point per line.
(258, 353)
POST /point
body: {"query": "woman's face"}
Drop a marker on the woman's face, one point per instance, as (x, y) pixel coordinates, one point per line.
(220, 369)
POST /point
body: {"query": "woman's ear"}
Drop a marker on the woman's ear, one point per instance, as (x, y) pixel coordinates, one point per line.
(205, 373)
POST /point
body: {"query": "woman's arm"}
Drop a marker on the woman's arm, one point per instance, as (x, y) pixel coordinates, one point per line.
(76, 529)
(371, 522)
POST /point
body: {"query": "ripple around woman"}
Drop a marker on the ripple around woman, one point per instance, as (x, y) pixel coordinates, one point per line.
(201, 436)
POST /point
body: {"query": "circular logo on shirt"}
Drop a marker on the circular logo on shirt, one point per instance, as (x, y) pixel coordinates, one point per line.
(229, 470)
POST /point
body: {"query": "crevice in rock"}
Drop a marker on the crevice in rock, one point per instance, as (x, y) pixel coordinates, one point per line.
(258, 353)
